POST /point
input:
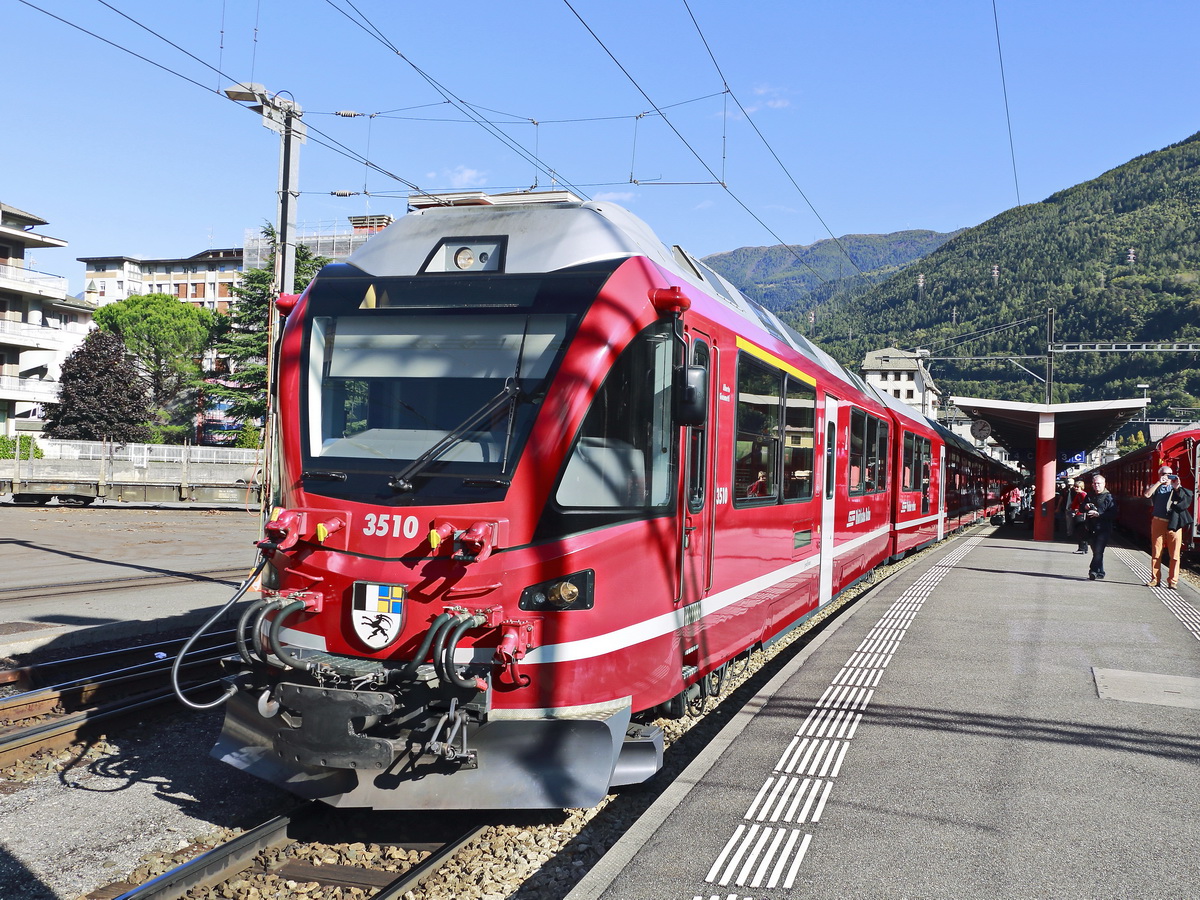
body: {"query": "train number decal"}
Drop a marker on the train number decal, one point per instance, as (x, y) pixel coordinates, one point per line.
(382, 523)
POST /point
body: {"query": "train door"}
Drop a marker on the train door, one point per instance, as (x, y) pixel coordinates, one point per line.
(828, 492)
(1191, 535)
(696, 516)
(696, 538)
(945, 488)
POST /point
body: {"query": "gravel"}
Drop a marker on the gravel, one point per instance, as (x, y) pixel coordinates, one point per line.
(81, 819)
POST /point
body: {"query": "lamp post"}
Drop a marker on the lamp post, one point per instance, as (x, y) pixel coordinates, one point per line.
(283, 117)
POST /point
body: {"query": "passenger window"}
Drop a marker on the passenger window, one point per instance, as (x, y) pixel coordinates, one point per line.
(757, 442)
(799, 435)
(623, 455)
(697, 444)
(856, 460)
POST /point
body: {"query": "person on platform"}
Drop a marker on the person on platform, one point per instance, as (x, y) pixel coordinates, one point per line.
(1170, 513)
(1012, 504)
(1100, 512)
(1074, 499)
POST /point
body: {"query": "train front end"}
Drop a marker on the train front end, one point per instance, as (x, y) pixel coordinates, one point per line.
(475, 448)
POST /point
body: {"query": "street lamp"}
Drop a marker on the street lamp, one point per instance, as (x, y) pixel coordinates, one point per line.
(1145, 400)
(283, 117)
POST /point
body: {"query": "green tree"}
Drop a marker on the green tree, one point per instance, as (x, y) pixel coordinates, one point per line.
(100, 394)
(244, 338)
(165, 336)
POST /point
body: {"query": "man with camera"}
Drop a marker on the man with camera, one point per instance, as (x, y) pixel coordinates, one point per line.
(1171, 512)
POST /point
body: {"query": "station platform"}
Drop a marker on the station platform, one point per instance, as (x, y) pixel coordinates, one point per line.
(985, 723)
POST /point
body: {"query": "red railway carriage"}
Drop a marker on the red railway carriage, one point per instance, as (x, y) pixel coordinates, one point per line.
(540, 479)
(1128, 477)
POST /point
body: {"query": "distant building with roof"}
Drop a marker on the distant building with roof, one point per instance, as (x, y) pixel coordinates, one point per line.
(902, 374)
(204, 279)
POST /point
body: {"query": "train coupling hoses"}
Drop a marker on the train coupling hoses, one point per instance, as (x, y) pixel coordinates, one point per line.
(447, 643)
(232, 689)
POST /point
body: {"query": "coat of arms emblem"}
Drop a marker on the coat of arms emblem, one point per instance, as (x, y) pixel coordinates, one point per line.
(378, 612)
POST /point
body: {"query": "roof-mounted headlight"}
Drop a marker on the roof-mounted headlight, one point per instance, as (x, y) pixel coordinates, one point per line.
(467, 254)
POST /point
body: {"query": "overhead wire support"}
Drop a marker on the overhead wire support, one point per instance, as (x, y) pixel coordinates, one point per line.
(700, 159)
(363, 22)
(766, 143)
(1132, 347)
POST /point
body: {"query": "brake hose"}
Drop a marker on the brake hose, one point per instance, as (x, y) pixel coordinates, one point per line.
(199, 631)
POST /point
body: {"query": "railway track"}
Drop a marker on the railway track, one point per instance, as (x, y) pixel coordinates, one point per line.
(120, 683)
(301, 849)
(224, 576)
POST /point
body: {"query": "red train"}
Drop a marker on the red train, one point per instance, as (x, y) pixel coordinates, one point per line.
(1128, 477)
(540, 479)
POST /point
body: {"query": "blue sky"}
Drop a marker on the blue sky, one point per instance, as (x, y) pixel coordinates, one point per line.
(884, 115)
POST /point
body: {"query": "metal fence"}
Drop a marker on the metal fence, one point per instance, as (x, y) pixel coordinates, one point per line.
(143, 454)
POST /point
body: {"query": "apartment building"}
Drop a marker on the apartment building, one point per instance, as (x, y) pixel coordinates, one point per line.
(40, 324)
(205, 279)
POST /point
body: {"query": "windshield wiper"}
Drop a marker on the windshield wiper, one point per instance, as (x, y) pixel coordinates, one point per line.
(507, 393)
(317, 474)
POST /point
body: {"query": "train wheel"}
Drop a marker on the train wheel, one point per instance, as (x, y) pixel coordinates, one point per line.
(31, 499)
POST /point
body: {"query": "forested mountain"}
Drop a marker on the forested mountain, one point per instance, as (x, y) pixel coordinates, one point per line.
(1117, 259)
(792, 280)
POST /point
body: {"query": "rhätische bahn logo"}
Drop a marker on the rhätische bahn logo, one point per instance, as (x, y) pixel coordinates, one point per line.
(378, 612)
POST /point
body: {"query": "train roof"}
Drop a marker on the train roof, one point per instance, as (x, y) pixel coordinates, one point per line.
(555, 230)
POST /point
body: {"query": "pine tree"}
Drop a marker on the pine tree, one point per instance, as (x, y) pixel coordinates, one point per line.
(244, 342)
(100, 395)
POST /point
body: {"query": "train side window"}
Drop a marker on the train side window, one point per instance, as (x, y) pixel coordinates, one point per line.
(910, 453)
(697, 443)
(856, 460)
(881, 455)
(799, 435)
(830, 455)
(757, 441)
(622, 457)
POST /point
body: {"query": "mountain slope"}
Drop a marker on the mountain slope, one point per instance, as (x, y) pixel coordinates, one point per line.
(1117, 259)
(794, 279)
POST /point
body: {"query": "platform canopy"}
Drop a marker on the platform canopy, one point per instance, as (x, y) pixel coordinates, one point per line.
(1077, 428)
(1046, 438)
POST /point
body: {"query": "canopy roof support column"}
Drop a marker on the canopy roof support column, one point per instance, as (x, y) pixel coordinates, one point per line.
(1045, 467)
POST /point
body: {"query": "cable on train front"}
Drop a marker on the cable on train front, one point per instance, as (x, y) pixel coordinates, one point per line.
(450, 485)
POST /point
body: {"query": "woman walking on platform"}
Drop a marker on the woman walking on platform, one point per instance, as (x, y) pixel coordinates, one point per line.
(1100, 511)
(1075, 497)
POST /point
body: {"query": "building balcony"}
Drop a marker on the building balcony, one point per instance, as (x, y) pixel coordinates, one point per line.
(28, 390)
(28, 281)
(40, 337)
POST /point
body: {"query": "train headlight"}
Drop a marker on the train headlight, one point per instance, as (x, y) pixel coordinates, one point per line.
(563, 594)
(575, 591)
(484, 253)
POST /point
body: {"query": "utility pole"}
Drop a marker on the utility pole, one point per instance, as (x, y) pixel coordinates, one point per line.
(1049, 355)
(282, 116)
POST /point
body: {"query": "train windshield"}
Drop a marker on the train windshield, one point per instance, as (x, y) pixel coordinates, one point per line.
(427, 388)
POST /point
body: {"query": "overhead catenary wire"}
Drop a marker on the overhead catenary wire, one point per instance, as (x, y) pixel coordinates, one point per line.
(1007, 116)
(716, 179)
(766, 143)
(363, 22)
